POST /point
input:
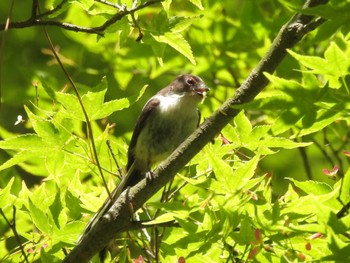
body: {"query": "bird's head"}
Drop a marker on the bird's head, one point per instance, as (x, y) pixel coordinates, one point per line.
(189, 85)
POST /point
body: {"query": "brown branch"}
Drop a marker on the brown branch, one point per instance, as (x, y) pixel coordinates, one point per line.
(39, 22)
(117, 219)
(99, 30)
(35, 6)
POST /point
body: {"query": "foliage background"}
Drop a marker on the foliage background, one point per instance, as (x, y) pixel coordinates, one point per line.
(261, 192)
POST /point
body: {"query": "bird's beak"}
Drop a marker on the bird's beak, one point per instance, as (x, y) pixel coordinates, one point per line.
(202, 89)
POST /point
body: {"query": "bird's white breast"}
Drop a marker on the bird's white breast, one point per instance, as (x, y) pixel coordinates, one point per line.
(167, 103)
(174, 119)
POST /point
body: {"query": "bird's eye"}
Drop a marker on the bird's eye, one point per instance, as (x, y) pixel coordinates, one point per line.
(191, 81)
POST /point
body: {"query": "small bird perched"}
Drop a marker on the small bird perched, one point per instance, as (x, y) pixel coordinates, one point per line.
(166, 120)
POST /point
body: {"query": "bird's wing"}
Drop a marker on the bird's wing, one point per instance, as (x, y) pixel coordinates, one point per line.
(150, 106)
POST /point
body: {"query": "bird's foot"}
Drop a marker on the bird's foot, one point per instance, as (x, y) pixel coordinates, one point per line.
(150, 176)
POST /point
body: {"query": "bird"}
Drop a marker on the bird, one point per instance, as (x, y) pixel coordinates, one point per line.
(166, 120)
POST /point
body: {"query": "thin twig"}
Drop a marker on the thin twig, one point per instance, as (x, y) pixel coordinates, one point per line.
(114, 159)
(324, 152)
(35, 6)
(306, 162)
(88, 123)
(14, 230)
(52, 11)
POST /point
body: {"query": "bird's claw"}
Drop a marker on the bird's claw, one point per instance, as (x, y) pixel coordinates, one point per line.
(150, 176)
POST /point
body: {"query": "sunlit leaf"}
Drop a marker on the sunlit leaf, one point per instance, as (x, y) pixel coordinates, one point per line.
(178, 42)
(197, 3)
(244, 173)
(40, 218)
(6, 198)
(312, 187)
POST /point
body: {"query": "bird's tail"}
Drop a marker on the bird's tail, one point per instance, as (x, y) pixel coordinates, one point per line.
(132, 177)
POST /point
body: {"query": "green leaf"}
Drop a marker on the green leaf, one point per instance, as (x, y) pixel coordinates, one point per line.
(243, 127)
(337, 60)
(73, 204)
(47, 129)
(230, 133)
(116, 105)
(54, 163)
(312, 187)
(39, 217)
(47, 257)
(317, 64)
(191, 180)
(168, 217)
(178, 42)
(242, 175)
(84, 4)
(158, 50)
(62, 219)
(166, 5)
(56, 208)
(23, 142)
(340, 249)
(167, 31)
(71, 105)
(259, 132)
(334, 66)
(197, 3)
(280, 142)
(319, 125)
(69, 233)
(6, 198)
(94, 104)
(123, 77)
(48, 89)
(21, 157)
(246, 232)
(179, 24)
(223, 171)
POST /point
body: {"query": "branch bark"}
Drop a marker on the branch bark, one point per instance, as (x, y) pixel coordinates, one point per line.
(117, 219)
(38, 20)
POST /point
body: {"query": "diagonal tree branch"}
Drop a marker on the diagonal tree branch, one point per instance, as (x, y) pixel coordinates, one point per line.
(117, 219)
